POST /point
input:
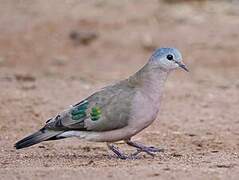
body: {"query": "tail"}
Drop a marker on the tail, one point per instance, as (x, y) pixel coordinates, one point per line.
(37, 137)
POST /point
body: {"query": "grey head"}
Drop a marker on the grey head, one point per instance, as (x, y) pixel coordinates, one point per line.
(167, 59)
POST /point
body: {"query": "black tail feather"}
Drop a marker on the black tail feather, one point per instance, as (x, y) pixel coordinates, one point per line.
(35, 138)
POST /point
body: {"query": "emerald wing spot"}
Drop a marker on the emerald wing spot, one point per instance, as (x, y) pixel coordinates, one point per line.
(78, 116)
(95, 113)
(79, 111)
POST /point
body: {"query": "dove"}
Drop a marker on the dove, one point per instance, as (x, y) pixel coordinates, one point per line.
(116, 112)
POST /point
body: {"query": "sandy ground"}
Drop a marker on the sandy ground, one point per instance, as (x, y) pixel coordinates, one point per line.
(44, 69)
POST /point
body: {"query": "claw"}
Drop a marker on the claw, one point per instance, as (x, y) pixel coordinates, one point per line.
(141, 148)
(154, 149)
(117, 151)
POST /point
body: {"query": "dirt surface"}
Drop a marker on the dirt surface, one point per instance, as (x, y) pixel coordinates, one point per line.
(45, 66)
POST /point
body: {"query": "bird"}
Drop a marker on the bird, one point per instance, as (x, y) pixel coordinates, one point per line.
(116, 112)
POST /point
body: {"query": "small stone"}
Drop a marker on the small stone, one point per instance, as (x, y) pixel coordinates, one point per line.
(25, 77)
(90, 162)
(86, 149)
(83, 37)
(176, 155)
(224, 165)
(191, 134)
(166, 169)
(154, 174)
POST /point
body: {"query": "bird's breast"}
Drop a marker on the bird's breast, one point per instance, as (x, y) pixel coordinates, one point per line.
(144, 111)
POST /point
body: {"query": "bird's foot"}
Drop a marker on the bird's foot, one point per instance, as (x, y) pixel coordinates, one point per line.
(149, 150)
(141, 148)
(118, 152)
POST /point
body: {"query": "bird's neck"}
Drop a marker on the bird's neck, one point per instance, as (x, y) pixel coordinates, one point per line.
(150, 81)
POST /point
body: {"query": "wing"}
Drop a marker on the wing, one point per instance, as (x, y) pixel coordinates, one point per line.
(105, 110)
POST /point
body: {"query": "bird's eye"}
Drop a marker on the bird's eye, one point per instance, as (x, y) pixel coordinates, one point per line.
(170, 57)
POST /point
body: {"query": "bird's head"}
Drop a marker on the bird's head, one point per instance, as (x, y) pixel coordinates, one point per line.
(167, 59)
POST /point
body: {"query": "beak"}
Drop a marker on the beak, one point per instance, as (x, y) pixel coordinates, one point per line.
(183, 66)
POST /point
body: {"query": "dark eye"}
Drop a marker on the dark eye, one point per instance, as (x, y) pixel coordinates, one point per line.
(170, 57)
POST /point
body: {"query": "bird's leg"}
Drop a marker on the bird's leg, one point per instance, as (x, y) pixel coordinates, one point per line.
(141, 148)
(117, 151)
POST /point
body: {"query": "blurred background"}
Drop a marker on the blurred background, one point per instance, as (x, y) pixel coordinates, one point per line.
(54, 53)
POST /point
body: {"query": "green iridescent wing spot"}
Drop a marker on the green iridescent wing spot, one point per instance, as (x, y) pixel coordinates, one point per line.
(75, 112)
(79, 111)
(95, 113)
(78, 116)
